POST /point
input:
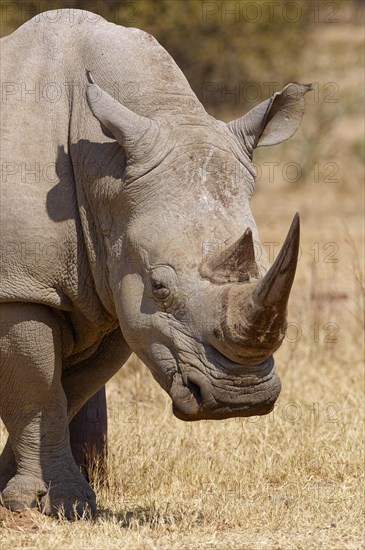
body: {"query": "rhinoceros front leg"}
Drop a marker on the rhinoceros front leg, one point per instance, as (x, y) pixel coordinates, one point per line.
(86, 401)
(88, 428)
(88, 435)
(33, 408)
(81, 385)
(88, 439)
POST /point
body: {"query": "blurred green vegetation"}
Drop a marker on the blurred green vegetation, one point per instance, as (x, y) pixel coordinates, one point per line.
(233, 53)
(222, 47)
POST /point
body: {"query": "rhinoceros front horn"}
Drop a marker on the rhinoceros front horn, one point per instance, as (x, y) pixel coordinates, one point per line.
(273, 290)
(253, 316)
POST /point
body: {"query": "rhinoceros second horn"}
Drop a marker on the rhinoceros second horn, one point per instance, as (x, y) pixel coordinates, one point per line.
(235, 264)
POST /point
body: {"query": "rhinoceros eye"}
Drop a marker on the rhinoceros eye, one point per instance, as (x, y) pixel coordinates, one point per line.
(163, 285)
(160, 292)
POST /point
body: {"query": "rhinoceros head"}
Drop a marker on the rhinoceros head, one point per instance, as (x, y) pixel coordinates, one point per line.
(194, 300)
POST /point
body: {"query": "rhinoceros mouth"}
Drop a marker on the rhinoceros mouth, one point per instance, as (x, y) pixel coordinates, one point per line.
(186, 396)
(195, 398)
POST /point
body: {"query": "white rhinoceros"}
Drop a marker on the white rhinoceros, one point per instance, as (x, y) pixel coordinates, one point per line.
(126, 227)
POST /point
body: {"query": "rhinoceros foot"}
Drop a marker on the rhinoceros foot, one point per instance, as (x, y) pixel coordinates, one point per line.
(70, 499)
(73, 497)
(22, 492)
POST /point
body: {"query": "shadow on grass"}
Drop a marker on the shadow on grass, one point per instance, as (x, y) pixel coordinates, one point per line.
(147, 516)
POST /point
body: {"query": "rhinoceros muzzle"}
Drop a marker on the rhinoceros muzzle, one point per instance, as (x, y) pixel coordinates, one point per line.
(241, 378)
(241, 390)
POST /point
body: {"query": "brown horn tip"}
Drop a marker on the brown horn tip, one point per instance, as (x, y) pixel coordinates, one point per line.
(276, 285)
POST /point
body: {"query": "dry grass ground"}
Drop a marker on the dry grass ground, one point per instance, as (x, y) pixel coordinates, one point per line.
(293, 479)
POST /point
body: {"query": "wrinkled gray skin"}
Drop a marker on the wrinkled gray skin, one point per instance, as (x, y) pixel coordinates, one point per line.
(122, 208)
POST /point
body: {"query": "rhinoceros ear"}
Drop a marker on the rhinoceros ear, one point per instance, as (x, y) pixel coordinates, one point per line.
(273, 120)
(118, 122)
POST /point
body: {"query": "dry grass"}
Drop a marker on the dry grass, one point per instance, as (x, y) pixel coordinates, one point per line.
(291, 480)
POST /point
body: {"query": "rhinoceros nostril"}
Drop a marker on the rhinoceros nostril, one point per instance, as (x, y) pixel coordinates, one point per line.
(195, 390)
